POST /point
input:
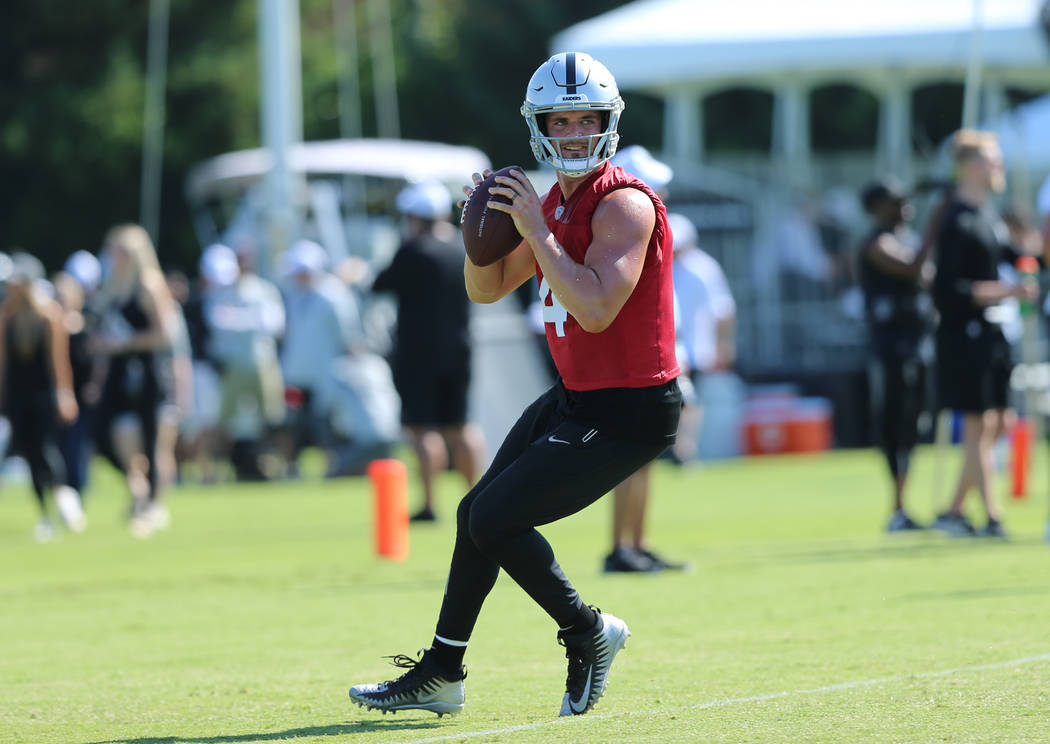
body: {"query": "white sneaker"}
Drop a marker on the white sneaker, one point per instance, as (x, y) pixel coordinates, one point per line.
(160, 516)
(423, 687)
(590, 656)
(141, 526)
(44, 531)
(69, 508)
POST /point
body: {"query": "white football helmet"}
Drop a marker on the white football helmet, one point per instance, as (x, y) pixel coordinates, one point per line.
(572, 81)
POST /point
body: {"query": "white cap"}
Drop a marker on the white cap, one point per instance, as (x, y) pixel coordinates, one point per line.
(25, 268)
(305, 257)
(637, 161)
(85, 268)
(430, 200)
(219, 265)
(683, 231)
(5, 267)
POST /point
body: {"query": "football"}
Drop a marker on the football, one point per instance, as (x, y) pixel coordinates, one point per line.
(488, 234)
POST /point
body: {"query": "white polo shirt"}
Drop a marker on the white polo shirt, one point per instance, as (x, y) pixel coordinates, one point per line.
(703, 298)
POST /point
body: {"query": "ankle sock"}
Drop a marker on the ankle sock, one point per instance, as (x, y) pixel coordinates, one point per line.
(586, 620)
(447, 656)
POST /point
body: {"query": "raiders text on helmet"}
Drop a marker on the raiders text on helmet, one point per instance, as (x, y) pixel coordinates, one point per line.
(572, 81)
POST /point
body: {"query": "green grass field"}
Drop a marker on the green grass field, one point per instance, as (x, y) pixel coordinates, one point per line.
(801, 621)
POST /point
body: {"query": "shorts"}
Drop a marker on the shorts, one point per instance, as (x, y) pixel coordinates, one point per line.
(433, 398)
(974, 364)
(261, 388)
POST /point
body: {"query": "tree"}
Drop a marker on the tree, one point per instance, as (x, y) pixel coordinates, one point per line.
(71, 97)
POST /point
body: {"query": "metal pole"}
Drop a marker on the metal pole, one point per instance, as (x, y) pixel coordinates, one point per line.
(282, 121)
(388, 120)
(153, 117)
(350, 119)
(343, 11)
(972, 88)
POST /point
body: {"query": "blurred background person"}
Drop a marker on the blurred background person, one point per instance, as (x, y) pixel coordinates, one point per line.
(197, 432)
(5, 425)
(74, 287)
(322, 323)
(1043, 205)
(245, 314)
(630, 548)
(36, 388)
(791, 252)
(706, 325)
(175, 370)
(365, 413)
(894, 273)
(431, 358)
(137, 324)
(974, 357)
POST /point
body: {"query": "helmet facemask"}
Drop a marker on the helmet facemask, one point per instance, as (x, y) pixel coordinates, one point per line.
(572, 82)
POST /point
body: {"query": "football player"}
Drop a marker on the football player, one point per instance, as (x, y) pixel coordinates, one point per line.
(598, 246)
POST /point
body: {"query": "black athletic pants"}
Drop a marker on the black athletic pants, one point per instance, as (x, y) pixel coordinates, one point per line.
(549, 466)
(114, 404)
(34, 433)
(899, 395)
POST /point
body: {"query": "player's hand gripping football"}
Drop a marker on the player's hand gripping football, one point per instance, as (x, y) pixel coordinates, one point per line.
(468, 190)
(524, 206)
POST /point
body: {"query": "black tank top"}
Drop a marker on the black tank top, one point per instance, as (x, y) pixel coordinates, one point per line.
(892, 303)
(132, 378)
(27, 376)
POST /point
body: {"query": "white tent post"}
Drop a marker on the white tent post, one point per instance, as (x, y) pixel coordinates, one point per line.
(683, 127)
(895, 128)
(791, 152)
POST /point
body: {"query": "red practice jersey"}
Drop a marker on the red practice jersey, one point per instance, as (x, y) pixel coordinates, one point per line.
(638, 348)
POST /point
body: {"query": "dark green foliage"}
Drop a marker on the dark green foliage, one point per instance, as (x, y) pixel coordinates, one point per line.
(848, 119)
(739, 119)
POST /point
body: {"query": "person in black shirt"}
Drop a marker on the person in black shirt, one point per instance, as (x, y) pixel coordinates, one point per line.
(432, 350)
(137, 326)
(36, 382)
(893, 270)
(974, 357)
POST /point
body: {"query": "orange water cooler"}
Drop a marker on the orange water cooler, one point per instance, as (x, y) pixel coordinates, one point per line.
(785, 424)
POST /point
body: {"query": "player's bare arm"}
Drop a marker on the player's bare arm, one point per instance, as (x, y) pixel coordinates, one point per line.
(62, 373)
(889, 256)
(487, 284)
(994, 291)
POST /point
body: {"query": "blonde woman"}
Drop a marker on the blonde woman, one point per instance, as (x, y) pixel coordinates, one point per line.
(36, 387)
(136, 331)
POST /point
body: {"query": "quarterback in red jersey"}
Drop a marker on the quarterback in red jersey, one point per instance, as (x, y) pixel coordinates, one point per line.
(599, 248)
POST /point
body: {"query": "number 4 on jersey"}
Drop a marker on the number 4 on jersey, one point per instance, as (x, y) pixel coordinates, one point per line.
(554, 312)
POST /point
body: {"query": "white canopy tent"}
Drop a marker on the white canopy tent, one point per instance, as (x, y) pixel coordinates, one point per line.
(682, 50)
